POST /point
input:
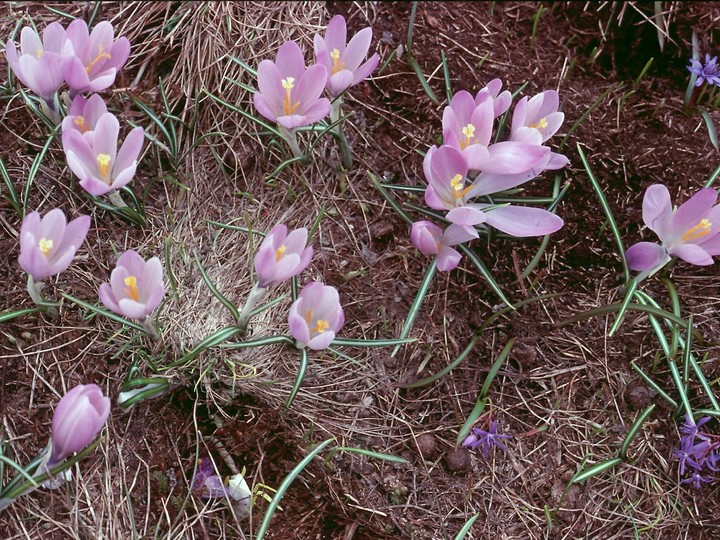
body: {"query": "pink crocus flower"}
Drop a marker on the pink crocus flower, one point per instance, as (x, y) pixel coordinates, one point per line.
(342, 59)
(432, 240)
(467, 126)
(84, 115)
(79, 417)
(501, 100)
(136, 287)
(289, 92)
(97, 58)
(316, 316)
(40, 63)
(690, 232)
(282, 255)
(96, 160)
(48, 245)
(537, 119)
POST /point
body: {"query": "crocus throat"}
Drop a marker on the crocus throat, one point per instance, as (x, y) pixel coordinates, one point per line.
(80, 123)
(469, 133)
(320, 326)
(132, 289)
(698, 231)
(45, 245)
(308, 316)
(279, 252)
(338, 65)
(38, 54)
(103, 161)
(540, 124)
(288, 85)
(101, 55)
(458, 185)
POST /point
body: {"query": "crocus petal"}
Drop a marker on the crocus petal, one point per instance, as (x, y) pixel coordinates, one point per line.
(132, 309)
(130, 150)
(646, 256)
(692, 211)
(319, 110)
(510, 157)
(692, 253)
(298, 328)
(264, 107)
(270, 86)
(95, 186)
(366, 69)
(321, 341)
(336, 34)
(467, 216)
(426, 236)
(456, 234)
(75, 75)
(108, 298)
(357, 49)
(119, 53)
(523, 222)
(433, 200)
(309, 86)
(74, 234)
(657, 209)
(106, 137)
(448, 259)
(290, 61)
(101, 81)
(339, 82)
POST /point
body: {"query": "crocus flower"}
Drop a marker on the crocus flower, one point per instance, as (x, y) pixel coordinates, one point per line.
(48, 244)
(289, 92)
(537, 119)
(40, 63)
(486, 439)
(207, 484)
(97, 59)
(467, 126)
(136, 287)
(97, 161)
(84, 115)
(78, 419)
(341, 59)
(282, 255)
(689, 232)
(501, 100)
(316, 316)
(432, 240)
(709, 72)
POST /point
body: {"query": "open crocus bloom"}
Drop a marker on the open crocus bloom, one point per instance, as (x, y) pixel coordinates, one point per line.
(282, 255)
(96, 160)
(48, 245)
(432, 240)
(537, 119)
(289, 92)
(97, 59)
(316, 316)
(77, 420)
(689, 232)
(468, 124)
(84, 115)
(343, 61)
(136, 287)
(40, 63)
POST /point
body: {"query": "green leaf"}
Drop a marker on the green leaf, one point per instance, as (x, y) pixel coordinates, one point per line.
(10, 315)
(446, 370)
(353, 342)
(633, 431)
(598, 468)
(496, 367)
(302, 369)
(471, 419)
(417, 303)
(368, 453)
(105, 313)
(466, 528)
(485, 272)
(217, 294)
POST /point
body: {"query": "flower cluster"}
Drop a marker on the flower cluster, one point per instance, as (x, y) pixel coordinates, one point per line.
(698, 454)
(708, 72)
(486, 439)
(468, 165)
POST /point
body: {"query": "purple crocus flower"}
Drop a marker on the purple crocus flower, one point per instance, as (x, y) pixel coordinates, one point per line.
(486, 439)
(39, 64)
(78, 419)
(432, 240)
(467, 126)
(537, 119)
(282, 255)
(316, 316)
(136, 287)
(709, 72)
(48, 245)
(289, 92)
(97, 59)
(207, 483)
(84, 115)
(96, 160)
(689, 232)
(342, 59)
(501, 100)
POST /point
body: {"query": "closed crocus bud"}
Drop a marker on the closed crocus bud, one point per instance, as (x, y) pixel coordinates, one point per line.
(136, 287)
(97, 59)
(316, 316)
(84, 115)
(282, 255)
(48, 244)
(432, 240)
(78, 419)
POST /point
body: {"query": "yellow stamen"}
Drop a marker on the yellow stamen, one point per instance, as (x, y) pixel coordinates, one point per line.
(469, 132)
(288, 85)
(458, 185)
(279, 252)
(698, 231)
(45, 245)
(337, 64)
(308, 316)
(320, 326)
(100, 56)
(103, 161)
(38, 54)
(80, 123)
(132, 289)
(540, 124)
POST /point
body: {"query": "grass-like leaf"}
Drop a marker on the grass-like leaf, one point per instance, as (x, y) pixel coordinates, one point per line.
(629, 294)
(302, 369)
(440, 374)
(12, 195)
(485, 272)
(104, 312)
(245, 114)
(633, 431)
(612, 308)
(471, 419)
(691, 83)
(35, 167)
(655, 386)
(217, 294)
(587, 113)
(283, 487)
(214, 339)
(417, 303)
(466, 528)
(681, 389)
(423, 81)
(392, 201)
(368, 453)
(369, 343)
(496, 367)
(259, 342)
(598, 468)
(446, 75)
(10, 315)
(710, 127)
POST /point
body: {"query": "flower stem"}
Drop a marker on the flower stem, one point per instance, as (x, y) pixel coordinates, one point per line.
(116, 199)
(291, 137)
(254, 297)
(33, 290)
(51, 110)
(147, 324)
(345, 150)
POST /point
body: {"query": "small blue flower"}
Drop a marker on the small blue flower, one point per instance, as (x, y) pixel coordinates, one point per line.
(709, 72)
(697, 480)
(486, 439)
